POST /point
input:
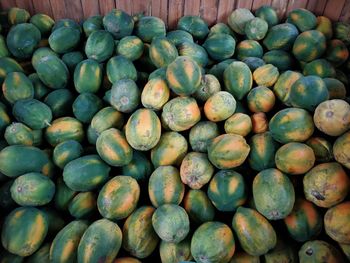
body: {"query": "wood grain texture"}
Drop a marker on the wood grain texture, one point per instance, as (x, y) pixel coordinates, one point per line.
(106, 6)
(258, 3)
(125, 5)
(281, 7)
(75, 10)
(224, 9)
(244, 4)
(58, 9)
(42, 7)
(192, 7)
(7, 4)
(171, 10)
(333, 9)
(143, 7)
(159, 8)
(209, 10)
(175, 11)
(345, 14)
(316, 6)
(294, 4)
(26, 4)
(90, 8)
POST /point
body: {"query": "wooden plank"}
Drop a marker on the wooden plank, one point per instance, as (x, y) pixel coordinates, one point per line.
(143, 6)
(74, 10)
(317, 6)
(43, 7)
(125, 5)
(244, 4)
(58, 9)
(333, 9)
(106, 6)
(175, 11)
(90, 8)
(280, 6)
(26, 4)
(209, 11)
(345, 14)
(7, 4)
(192, 8)
(224, 9)
(259, 3)
(159, 8)
(294, 4)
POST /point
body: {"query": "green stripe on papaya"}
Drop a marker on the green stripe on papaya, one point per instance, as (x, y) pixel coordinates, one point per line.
(32, 160)
(100, 242)
(281, 36)
(99, 46)
(249, 48)
(303, 19)
(93, 169)
(184, 76)
(64, 247)
(309, 45)
(175, 252)
(181, 113)
(288, 158)
(17, 15)
(17, 86)
(83, 205)
(223, 158)
(32, 189)
(308, 92)
(170, 150)
(227, 190)
(319, 67)
(165, 186)
(64, 129)
(24, 230)
(254, 232)
(291, 125)
(139, 237)
(198, 206)
(8, 65)
(213, 242)
(87, 76)
(118, 198)
(143, 129)
(238, 79)
(162, 52)
(304, 222)
(113, 147)
(273, 194)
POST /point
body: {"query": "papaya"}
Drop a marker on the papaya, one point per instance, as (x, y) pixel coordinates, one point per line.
(171, 223)
(101, 241)
(254, 232)
(198, 206)
(113, 147)
(139, 237)
(213, 242)
(118, 197)
(304, 222)
(295, 158)
(24, 230)
(326, 184)
(273, 194)
(227, 190)
(165, 186)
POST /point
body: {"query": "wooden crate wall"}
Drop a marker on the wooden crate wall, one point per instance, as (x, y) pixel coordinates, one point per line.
(170, 10)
